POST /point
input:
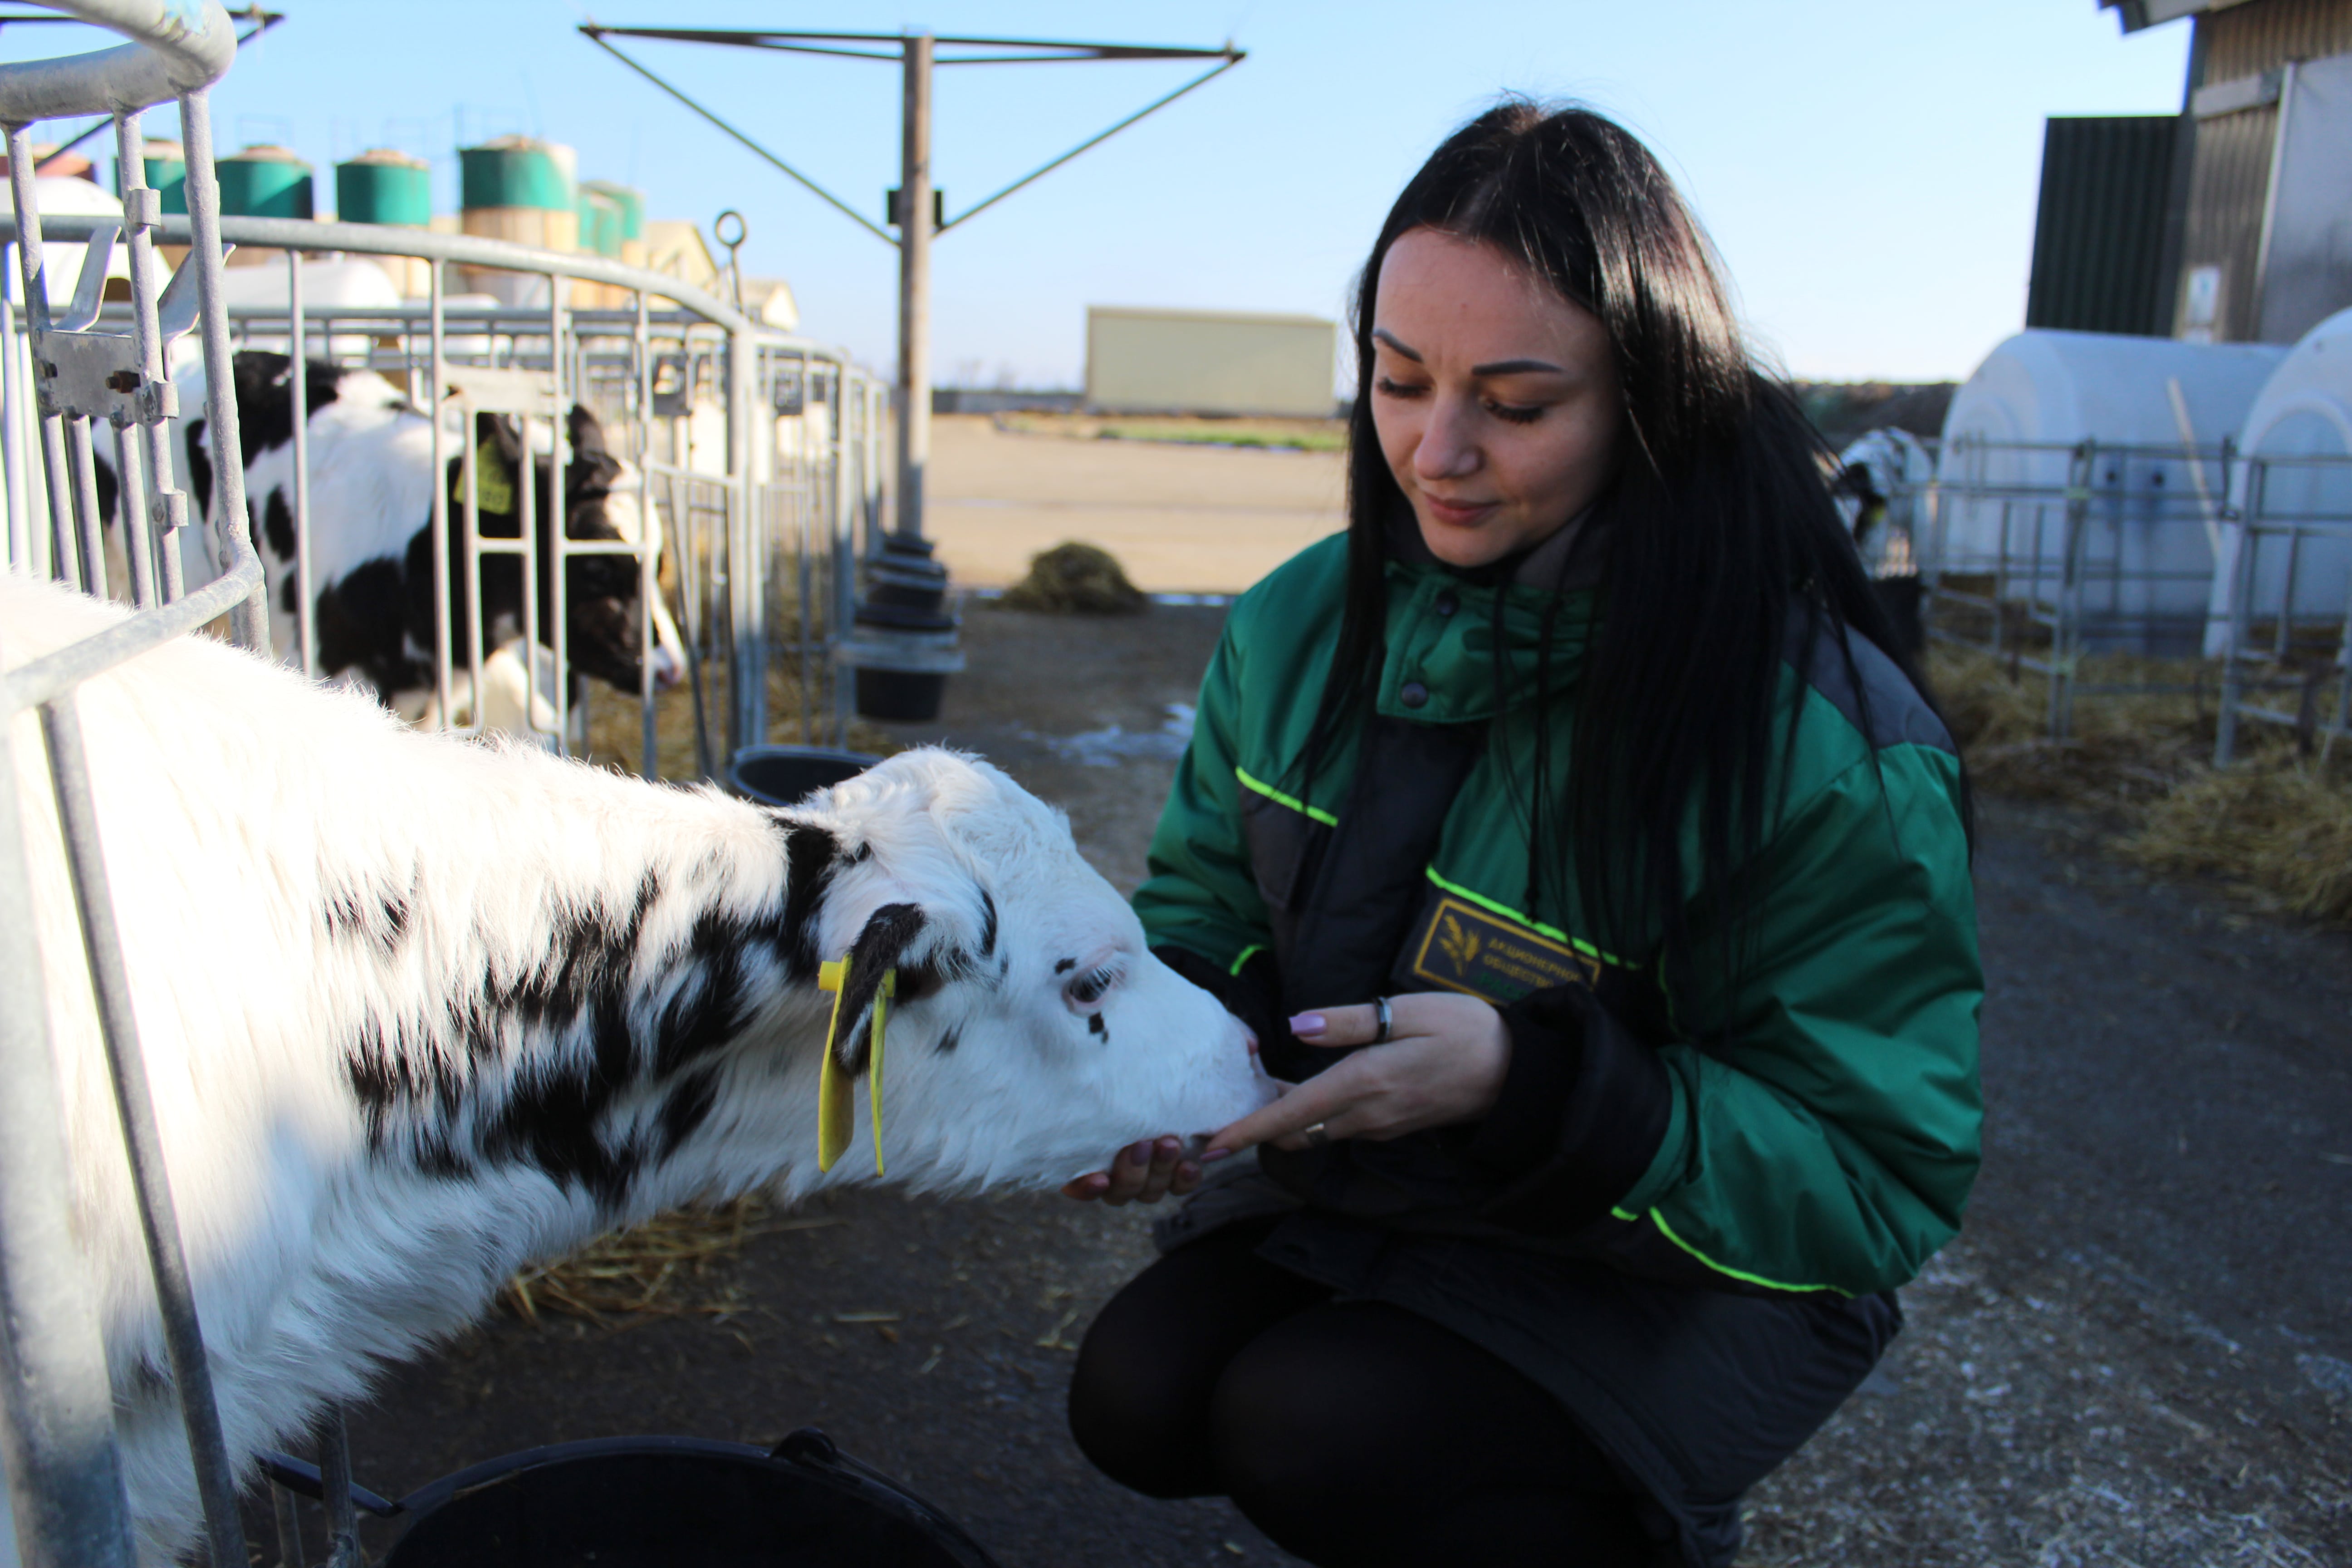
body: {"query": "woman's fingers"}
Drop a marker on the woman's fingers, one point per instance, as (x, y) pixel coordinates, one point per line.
(1322, 1097)
(1339, 1025)
(1142, 1173)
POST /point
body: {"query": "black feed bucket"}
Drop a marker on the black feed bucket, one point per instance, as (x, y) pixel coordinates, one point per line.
(678, 1502)
(784, 775)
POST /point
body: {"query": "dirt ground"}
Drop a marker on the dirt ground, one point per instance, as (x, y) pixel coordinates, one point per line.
(2140, 1353)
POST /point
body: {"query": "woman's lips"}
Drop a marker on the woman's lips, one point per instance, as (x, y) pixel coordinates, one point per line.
(1459, 514)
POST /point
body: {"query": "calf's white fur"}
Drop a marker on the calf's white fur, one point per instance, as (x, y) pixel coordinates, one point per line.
(417, 1011)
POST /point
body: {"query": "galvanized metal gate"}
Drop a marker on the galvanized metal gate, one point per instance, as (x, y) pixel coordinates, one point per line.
(64, 1473)
(758, 455)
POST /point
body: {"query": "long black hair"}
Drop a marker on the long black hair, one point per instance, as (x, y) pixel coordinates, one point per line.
(1721, 546)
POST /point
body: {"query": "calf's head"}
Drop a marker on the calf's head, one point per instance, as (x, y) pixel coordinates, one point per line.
(1032, 1033)
(605, 607)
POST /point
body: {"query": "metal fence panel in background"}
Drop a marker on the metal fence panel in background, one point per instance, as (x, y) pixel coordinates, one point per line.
(658, 372)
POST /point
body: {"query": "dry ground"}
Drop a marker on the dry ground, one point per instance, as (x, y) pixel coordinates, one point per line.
(2138, 1355)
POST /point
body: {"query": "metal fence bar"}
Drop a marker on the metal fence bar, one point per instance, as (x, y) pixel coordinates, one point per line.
(232, 524)
(297, 349)
(183, 1340)
(57, 1441)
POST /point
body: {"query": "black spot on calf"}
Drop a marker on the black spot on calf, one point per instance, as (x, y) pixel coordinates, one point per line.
(278, 523)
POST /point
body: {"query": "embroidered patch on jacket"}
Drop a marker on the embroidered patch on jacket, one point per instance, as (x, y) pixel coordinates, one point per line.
(1464, 948)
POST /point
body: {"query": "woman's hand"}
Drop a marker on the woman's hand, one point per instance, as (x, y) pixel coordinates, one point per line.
(1444, 1064)
(1142, 1173)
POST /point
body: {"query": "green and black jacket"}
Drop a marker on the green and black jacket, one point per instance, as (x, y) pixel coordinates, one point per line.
(1815, 1133)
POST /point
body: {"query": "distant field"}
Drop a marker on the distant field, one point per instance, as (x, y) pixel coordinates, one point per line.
(1295, 435)
(1182, 515)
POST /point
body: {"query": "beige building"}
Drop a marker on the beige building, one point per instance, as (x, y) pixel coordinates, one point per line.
(1207, 362)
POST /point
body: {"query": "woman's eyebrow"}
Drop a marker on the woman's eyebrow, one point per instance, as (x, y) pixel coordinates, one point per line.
(1516, 367)
(1382, 335)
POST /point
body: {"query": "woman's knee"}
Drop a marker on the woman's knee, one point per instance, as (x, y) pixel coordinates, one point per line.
(1364, 1435)
(1135, 1415)
(1140, 1395)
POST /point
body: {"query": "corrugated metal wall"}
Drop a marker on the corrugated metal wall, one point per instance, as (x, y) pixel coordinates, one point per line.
(2098, 236)
(2230, 172)
(2245, 40)
(2227, 185)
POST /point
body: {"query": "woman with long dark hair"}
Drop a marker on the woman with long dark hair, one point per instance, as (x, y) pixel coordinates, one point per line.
(1575, 835)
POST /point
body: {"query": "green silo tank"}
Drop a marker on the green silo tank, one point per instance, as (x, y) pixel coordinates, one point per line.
(599, 223)
(164, 166)
(265, 182)
(384, 186)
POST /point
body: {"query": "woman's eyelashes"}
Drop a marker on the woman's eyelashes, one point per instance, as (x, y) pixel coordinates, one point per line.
(1509, 412)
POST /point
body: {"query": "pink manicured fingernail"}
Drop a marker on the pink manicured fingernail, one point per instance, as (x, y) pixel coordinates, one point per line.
(1140, 1154)
(1212, 1155)
(1307, 1026)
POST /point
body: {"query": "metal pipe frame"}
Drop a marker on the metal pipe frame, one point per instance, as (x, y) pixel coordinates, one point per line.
(64, 1473)
(2068, 573)
(2240, 657)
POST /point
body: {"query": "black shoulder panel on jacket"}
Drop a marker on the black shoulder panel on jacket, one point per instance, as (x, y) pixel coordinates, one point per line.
(1885, 706)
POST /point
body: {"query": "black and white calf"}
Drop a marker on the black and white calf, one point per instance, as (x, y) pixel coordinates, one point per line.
(370, 458)
(416, 1013)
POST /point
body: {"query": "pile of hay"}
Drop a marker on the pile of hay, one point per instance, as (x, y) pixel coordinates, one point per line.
(662, 1269)
(1074, 579)
(2280, 830)
(2125, 749)
(2274, 825)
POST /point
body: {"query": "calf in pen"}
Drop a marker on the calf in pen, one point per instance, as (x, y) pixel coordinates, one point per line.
(416, 1013)
(370, 537)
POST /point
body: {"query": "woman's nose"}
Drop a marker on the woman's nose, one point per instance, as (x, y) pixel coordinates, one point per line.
(1446, 450)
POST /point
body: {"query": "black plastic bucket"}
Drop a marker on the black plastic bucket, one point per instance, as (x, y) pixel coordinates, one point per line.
(678, 1502)
(784, 775)
(903, 696)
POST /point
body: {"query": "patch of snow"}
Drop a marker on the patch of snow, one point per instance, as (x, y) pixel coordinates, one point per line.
(1108, 748)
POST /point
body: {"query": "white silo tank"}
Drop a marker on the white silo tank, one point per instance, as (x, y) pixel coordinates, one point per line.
(2303, 411)
(2007, 462)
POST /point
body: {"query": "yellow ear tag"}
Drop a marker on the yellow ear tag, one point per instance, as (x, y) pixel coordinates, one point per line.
(835, 1100)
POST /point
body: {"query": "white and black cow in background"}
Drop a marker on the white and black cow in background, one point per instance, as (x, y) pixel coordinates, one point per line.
(416, 1013)
(371, 459)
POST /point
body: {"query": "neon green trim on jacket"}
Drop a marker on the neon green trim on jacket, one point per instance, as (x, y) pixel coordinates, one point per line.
(1668, 1232)
(1484, 902)
(1312, 813)
(1252, 951)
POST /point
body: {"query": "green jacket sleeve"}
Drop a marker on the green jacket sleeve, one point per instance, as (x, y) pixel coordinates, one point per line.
(1825, 1128)
(1200, 894)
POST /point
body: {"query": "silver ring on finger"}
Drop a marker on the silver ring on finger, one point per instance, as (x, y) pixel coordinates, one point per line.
(1316, 1135)
(1388, 1019)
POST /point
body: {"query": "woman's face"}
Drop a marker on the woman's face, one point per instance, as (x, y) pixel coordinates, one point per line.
(1495, 398)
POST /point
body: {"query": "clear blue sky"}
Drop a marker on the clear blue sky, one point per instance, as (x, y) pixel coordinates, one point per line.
(1867, 167)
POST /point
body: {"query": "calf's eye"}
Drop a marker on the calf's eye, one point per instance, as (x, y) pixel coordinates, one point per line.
(1087, 989)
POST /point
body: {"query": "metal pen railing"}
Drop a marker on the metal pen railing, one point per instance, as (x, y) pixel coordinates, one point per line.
(661, 371)
(65, 1485)
(2041, 553)
(2286, 606)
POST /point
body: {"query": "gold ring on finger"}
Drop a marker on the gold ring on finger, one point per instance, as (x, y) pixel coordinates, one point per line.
(1316, 1135)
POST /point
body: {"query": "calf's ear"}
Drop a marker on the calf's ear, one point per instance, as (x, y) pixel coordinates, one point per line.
(889, 931)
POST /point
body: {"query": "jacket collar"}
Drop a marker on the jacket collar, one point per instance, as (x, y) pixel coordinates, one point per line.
(1443, 622)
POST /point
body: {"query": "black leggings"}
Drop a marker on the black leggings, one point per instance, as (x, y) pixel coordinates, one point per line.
(1350, 1432)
